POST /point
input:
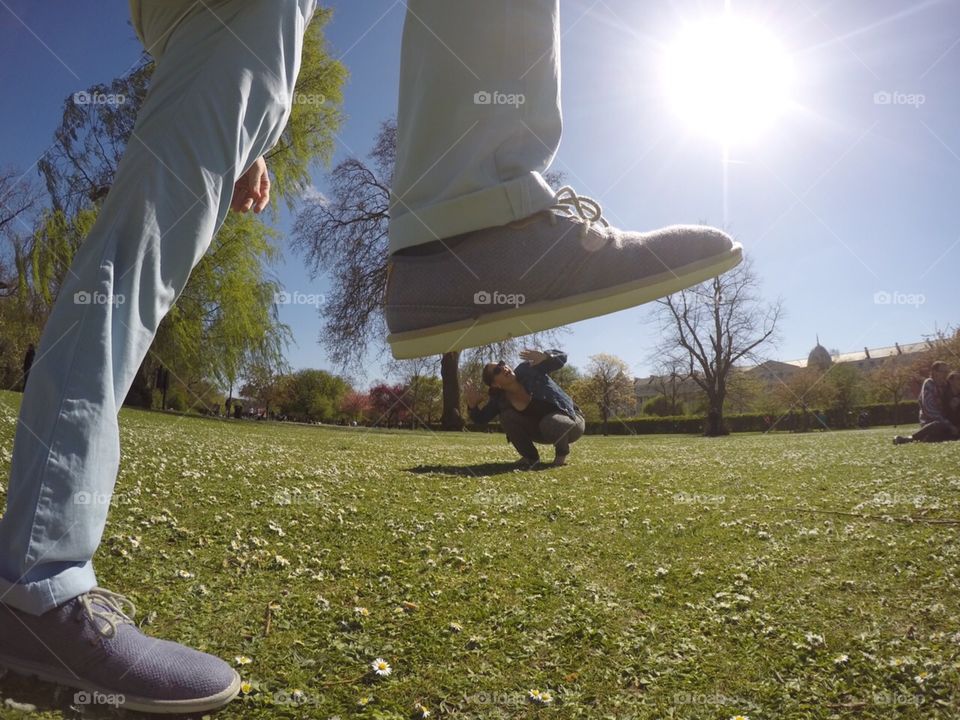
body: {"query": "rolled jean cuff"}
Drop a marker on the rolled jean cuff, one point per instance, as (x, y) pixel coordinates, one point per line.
(39, 596)
(490, 207)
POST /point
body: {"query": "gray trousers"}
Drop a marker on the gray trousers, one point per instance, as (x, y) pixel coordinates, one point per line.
(556, 429)
(936, 431)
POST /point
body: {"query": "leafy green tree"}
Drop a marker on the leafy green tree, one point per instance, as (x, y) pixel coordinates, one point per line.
(226, 320)
(890, 381)
(313, 395)
(846, 391)
(659, 406)
(608, 386)
(566, 376)
(425, 394)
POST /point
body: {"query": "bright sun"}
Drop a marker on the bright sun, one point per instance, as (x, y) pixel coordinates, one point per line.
(728, 78)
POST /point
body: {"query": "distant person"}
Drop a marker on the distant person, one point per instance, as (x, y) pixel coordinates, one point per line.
(935, 426)
(953, 399)
(531, 406)
(28, 363)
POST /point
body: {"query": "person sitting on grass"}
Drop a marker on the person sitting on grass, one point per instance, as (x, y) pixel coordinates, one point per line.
(531, 406)
(934, 405)
(952, 406)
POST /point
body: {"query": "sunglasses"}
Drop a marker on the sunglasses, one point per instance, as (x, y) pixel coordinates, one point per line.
(498, 368)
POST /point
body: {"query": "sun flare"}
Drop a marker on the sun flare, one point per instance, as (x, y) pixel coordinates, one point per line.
(728, 78)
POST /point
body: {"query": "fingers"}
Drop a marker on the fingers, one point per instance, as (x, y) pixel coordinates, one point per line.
(264, 191)
(252, 190)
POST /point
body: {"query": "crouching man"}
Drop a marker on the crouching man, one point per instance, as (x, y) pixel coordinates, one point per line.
(531, 406)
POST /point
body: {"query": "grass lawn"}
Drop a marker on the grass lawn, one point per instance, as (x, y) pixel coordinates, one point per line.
(653, 577)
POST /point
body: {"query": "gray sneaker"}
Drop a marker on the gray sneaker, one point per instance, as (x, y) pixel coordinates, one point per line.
(90, 643)
(553, 268)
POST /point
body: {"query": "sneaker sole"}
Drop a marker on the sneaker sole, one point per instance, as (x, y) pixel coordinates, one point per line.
(524, 320)
(130, 702)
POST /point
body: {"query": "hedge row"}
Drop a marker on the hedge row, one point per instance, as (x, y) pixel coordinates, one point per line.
(864, 416)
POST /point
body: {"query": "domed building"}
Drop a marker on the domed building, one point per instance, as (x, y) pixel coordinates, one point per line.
(819, 357)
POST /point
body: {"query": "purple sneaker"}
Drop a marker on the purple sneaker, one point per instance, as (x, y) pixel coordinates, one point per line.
(91, 643)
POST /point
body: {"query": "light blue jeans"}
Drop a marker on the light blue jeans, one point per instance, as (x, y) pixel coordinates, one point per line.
(219, 99)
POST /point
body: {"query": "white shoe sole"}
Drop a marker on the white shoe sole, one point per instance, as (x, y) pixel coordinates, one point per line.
(527, 319)
(130, 702)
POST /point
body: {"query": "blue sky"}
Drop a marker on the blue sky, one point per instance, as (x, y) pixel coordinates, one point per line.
(846, 197)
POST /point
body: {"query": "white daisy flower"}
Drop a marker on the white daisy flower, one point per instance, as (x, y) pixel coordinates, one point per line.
(381, 667)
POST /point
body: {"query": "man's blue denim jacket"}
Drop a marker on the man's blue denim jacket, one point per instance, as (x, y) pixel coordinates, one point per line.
(535, 380)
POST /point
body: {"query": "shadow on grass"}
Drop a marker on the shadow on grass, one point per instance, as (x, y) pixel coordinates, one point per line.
(49, 697)
(478, 469)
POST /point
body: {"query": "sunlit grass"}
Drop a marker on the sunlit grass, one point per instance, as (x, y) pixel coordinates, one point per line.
(652, 575)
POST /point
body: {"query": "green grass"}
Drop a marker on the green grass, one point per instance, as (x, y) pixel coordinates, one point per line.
(653, 577)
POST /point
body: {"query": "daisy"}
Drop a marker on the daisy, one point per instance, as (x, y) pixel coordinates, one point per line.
(381, 667)
(421, 710)
(242, 660)
(539, 697)
(361, 611)
(841, 659)
(246, 687)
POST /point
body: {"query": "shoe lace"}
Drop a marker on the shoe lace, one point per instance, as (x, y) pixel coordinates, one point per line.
(578, 207)
(109, 607)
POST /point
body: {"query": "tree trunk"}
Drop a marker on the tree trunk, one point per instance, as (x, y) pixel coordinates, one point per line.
(140, 393)
(450, 377)
(715, 425)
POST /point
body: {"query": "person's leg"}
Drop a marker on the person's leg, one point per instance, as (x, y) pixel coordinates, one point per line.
(520, 432)
(211, 110)
(560, 430)
(219, 98)
(478, 118)
(481, 249)
(933, 432)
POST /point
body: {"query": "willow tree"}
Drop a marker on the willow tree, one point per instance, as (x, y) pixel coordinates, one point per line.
(226, 318)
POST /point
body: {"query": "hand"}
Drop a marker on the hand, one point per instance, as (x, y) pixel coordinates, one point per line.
(471, 393)
(252, 190)
(534, 357)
